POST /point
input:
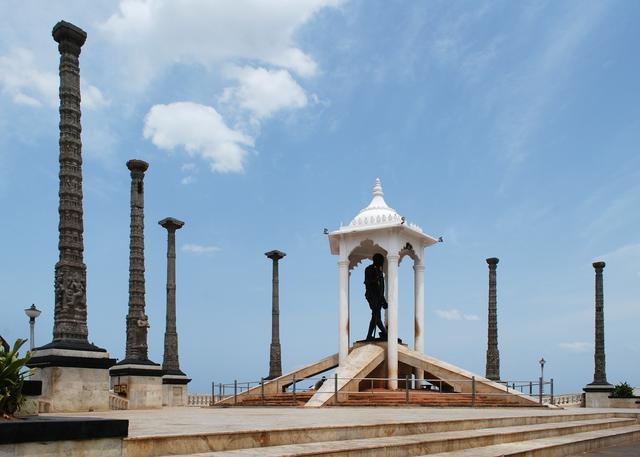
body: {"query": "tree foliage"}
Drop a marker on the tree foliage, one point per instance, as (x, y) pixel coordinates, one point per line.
(13, 372)
(622, 390)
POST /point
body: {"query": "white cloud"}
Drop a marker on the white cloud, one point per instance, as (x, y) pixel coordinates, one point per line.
(576, 346)
(455, 315)
(254, 40)
(159, 33)
(627, 251)
(92, 97)
(199, 249)
(263, 92)
(26, 84)
(527, 95)
(520, 97)
(201, 131)
(624, 259)
(188, 167)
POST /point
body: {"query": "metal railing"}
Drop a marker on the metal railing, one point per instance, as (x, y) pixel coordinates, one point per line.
(409, 390)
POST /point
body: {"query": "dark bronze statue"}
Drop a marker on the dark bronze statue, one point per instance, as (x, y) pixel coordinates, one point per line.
(374, 285)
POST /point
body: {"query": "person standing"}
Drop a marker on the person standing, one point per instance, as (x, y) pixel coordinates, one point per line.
(374, 293)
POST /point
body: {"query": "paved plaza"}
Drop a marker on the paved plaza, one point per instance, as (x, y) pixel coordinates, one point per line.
(184, 420)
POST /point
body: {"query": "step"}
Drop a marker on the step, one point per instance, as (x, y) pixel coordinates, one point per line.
(558, 446)
(384, 397)
(160, 445)
(413, 445)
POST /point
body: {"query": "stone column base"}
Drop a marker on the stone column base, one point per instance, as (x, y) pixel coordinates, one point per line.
(73, 380)
(597, 396)
(174, 390)
(141, 385)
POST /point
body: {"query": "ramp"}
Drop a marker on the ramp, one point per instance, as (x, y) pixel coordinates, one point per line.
(360, 362)
(460, 379)
(275, 386)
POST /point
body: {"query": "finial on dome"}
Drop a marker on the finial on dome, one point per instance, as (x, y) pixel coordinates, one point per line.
(377, 189)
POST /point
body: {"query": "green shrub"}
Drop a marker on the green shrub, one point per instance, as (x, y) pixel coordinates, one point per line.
(12, 375)
(622, 390)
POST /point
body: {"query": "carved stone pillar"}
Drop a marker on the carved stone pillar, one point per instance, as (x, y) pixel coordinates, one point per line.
(137, 320)
(493, 355)
(73, 371)
(137, 376)
(170, 361)
(600, 373)
(174, 381)
(70, 316)
(275, 353)
(598, 391)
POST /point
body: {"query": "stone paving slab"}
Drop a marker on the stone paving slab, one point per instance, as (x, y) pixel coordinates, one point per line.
(386, 444)
(542, 446)
(171, 421)
(629, 450)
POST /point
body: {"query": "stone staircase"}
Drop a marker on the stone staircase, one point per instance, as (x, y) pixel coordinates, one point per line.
(530, 436)
(384, 397)
(283, 399)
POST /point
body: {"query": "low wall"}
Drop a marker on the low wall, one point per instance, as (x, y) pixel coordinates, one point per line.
(55, 436)
(604, 400)
(106, 447)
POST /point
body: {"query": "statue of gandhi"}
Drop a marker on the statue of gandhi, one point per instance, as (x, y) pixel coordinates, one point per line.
(374, 285)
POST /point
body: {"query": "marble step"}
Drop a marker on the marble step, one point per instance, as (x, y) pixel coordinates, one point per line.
(384, 398)
(179, 444)
(422, 444)
(557, 446)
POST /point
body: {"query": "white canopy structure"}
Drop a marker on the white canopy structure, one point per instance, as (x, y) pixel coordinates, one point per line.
(380, 229)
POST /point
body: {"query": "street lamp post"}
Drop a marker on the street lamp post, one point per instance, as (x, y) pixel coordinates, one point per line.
(32, 312)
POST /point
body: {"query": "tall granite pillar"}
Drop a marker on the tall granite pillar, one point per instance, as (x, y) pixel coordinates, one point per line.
(72, 381)
(174, 381)
(142, 377)
(137, 320)
(493, 355)
(275, 354)
(598, 391)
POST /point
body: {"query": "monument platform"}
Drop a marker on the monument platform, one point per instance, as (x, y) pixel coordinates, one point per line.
(373, 431)
(360, 380)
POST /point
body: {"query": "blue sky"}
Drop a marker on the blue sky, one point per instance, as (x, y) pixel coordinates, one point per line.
(512, 129)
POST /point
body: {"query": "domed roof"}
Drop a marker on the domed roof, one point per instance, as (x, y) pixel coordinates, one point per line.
(378, 212)
(378, 217)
